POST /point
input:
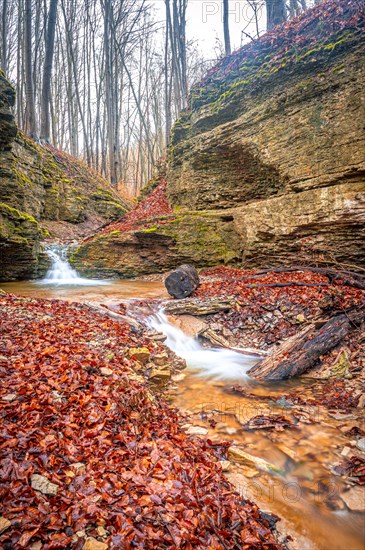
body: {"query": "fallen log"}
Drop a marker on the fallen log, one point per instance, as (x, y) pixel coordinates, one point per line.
(115, 316)
(198, 306)
(182, 282)
(349, 278)
(299, 353)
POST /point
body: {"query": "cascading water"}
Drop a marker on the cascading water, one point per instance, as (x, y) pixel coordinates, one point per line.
(215, 362)
(61, 273)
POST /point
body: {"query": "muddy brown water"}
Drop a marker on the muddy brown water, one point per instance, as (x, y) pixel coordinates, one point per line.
(306, 492)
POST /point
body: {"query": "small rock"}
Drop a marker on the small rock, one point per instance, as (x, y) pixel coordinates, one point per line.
(81, 534)
(105, 371)
(361, 403)
(43, 485)
(355, 499)
(237, 455)
(360, 444)
(300, 318)
(345, 451)
(160, 359)
(249, 472)
(230, 430)
(226, 465)
(140, 354)
(101, 531)
(197, 430)
(178, 377)
(36, 545)
(289, 452)
(93, 544)
(160, 374)
(9, 397)
(4, 524)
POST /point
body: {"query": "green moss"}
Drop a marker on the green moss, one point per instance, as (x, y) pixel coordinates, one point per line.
(15, 214)
(220, 89)
(151, 229)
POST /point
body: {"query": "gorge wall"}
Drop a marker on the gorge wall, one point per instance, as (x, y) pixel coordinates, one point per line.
(271, 152)
(43, 192)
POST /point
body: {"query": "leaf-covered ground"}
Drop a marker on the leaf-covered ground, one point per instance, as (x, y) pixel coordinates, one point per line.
(274, 305)
(121, 470)
(152, 206)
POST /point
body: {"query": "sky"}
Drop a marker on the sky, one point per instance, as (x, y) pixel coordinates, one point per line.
(205, 23)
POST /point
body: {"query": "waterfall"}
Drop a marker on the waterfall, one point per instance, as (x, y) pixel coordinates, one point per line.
(61, 273)
(214, 362)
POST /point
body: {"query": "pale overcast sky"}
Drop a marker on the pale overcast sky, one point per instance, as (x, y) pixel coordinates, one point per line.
(205, 22)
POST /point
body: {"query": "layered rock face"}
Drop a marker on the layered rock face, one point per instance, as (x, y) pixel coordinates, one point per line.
(40, 189)
(284, 152)
(271, 152)
(203, 238)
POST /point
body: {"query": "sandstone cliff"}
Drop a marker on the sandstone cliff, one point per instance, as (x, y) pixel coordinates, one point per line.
(271, 155)
(42, 192)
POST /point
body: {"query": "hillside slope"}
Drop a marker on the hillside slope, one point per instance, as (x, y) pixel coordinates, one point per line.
(267, 167)
(44, 192)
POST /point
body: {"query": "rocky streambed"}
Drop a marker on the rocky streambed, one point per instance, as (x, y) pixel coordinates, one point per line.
(296, 448)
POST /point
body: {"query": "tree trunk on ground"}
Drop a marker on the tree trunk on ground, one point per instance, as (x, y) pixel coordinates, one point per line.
(298, 354)
(182, 282)
(47, 72)
(197, 306)
(275, 13)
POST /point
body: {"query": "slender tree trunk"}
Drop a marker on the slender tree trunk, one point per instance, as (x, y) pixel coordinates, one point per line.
(4, 45)
(29, 90)
(275, 13)
(166, 75)
(108, 91)
(227, 39)
(47, 72)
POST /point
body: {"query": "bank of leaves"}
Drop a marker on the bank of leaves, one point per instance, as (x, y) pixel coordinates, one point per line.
(142, 216)
(125, 472)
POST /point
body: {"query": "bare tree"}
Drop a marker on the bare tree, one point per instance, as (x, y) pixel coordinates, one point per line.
(227, 39)
(47, 72)
(275, 13)
(4, 33)
(30, 120)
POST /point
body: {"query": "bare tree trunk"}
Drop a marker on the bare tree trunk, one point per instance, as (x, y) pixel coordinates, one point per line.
(275, 13)
(227, 39)
(108, 91)
(30, 122)
(4, 56)
(167, 79)
(47, 72)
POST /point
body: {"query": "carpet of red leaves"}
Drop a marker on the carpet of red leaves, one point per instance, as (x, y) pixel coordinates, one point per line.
(254, 300)
(147, 483)
(152, 206)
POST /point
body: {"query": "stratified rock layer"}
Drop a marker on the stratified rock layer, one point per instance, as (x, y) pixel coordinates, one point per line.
(201, 238)
(271, 152)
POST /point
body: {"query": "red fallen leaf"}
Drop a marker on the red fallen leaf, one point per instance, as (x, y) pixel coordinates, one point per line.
(25, 538)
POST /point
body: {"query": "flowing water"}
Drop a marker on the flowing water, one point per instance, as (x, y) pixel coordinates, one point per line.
(61, 273)
(304, 490)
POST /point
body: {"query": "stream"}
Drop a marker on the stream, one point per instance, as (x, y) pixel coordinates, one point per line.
(304, 491)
